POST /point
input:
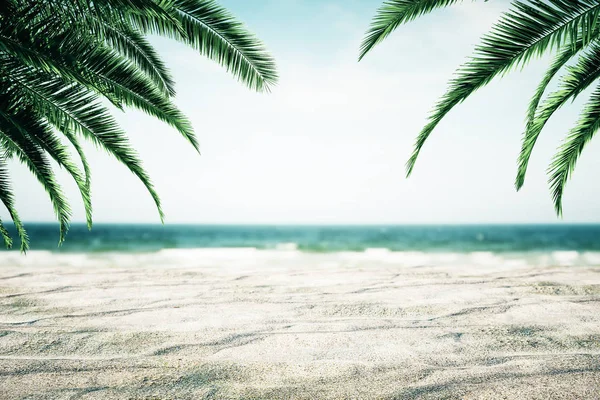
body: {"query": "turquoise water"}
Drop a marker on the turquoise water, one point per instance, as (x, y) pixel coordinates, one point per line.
(447, 238)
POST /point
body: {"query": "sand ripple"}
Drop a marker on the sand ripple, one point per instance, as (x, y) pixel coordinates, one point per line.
(306, 327)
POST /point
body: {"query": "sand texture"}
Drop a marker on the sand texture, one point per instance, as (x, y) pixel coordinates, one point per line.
(287, 325)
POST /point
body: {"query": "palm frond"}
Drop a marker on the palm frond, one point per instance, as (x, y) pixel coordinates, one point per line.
(156, 11)
(40, 90)
(48, 141)
(392, 14)
(72, 138)
(8, 242)
(74, 109)
(108, 73)
(59, 58)
(16, 130)
(7, 198)
(577, 79)
(527, 31)
(216, 34)
(131, 88)
(564, 161)
(132, 44)
(87, 186)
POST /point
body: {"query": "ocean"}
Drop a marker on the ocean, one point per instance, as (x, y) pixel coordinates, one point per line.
(556, 244)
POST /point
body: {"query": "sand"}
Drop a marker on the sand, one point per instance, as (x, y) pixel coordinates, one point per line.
(288, 325)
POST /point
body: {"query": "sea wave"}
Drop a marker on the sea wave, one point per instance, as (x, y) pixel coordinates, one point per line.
(244, 256)
(374, 240)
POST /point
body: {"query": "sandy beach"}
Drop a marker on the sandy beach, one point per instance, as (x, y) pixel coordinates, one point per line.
(250, 324)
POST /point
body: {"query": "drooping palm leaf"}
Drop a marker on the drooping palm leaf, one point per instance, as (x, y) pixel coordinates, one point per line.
(47, 140)
(108, 73)
(16, 129)
(529, 29)
(134, 46)
(565, 160)
(39, 90)
(525, 32)
(216, 34)
(59, 58)
(75, 110)
(578, 78)
(7, 198)
(394, 13)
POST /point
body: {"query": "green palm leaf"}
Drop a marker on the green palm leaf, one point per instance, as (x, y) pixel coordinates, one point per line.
(42, 94)
(74, 109)
(566, 158)
(59, 58)
(577, 79)
(522, 33)
(529, 29)
(17, 130)
(105, 71)
(48, 141)
(213, 31)
(8, 242)
(7, 198)
(132, 44)
(394, 13)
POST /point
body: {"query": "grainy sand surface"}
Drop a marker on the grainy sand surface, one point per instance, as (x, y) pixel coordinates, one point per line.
(259, 325)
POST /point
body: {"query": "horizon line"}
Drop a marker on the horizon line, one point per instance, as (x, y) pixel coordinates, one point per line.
(315, 224)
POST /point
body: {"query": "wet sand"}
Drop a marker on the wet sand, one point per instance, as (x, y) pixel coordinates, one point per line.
(260, 325)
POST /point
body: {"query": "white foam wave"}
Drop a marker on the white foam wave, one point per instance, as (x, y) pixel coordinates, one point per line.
(287, 246)
(233, 257)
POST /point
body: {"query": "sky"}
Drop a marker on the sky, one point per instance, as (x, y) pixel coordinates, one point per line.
(329, 143)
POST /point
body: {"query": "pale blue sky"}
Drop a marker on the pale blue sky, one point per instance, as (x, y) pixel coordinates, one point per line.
(329, 144)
